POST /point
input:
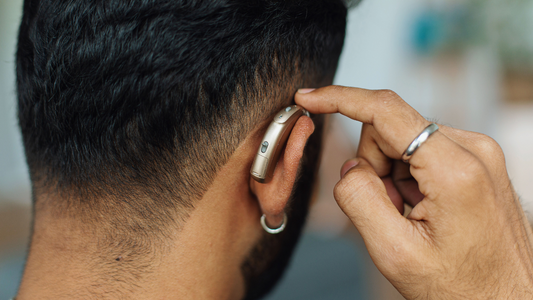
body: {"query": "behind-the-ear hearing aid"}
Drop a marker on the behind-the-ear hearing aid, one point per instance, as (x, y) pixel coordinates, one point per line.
(273, 141)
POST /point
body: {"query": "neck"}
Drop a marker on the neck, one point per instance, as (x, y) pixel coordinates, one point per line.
(202, 262)
(202, 259)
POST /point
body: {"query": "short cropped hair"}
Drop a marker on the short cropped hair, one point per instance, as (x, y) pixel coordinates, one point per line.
(141, 102)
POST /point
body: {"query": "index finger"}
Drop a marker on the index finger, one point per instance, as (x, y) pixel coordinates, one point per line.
(398, 124)
(396, 121)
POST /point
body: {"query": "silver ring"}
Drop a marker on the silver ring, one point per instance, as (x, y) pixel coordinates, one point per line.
(418, 141)
(274, 230)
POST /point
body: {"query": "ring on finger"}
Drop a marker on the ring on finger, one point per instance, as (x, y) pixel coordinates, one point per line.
(418, 141)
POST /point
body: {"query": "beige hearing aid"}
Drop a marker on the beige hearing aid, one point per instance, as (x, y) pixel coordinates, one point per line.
(273, 141)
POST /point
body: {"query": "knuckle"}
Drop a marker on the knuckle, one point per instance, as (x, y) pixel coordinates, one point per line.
(391, 105)
(488, 147)
(387, 95)
(354, 183)
(390, 102)
(473, 171)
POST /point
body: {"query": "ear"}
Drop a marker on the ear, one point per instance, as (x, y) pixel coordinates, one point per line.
(274, 195)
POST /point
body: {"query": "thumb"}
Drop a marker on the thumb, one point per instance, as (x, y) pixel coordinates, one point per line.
(362, 195)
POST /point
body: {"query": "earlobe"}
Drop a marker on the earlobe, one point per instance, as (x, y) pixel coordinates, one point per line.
(274, 195)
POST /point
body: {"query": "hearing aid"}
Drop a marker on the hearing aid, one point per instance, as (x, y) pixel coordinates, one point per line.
(273, 141)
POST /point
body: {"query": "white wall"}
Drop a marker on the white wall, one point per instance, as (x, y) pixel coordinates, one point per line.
(14, 182)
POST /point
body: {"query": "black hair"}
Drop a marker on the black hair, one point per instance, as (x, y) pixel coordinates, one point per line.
(140, 102)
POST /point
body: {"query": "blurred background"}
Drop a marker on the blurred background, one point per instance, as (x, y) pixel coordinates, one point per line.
(467, 64)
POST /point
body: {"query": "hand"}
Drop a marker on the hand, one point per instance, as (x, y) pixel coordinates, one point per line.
(466, 236)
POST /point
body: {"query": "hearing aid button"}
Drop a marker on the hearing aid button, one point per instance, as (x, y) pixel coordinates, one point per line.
(264, 147)
(288, 109)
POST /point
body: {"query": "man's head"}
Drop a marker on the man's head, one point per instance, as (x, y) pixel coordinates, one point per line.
(130, 110)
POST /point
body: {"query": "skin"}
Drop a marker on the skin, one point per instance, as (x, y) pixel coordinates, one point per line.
(202, 262)
(467, 236)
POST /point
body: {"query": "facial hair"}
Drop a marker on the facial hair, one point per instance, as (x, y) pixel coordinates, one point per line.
(269, 258)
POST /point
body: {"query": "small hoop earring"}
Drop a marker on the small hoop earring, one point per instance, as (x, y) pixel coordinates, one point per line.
(274, 230)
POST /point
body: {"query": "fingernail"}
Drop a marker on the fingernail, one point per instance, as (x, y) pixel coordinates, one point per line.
(348, 165)
(305, 91)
